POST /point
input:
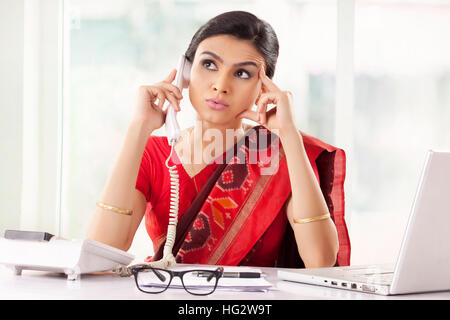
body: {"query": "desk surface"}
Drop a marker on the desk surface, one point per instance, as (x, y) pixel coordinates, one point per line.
(105, 286)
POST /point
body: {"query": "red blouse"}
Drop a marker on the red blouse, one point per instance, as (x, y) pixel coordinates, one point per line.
(154, 182)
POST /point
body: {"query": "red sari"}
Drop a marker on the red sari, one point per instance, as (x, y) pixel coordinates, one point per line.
(243, 220)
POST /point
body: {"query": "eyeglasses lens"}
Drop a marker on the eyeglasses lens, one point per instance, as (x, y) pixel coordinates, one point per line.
(200, 282)
(153, 281)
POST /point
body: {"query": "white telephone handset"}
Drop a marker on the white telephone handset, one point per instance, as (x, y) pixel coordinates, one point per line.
(181, 81)
(173, 134)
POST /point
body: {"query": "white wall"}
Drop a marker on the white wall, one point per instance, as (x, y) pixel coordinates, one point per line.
(30, 80)
(11, 101)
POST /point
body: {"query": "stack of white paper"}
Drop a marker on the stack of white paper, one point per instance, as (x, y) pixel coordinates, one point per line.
(227, 284)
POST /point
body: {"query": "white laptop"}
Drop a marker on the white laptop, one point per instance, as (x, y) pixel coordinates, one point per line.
(423, 263)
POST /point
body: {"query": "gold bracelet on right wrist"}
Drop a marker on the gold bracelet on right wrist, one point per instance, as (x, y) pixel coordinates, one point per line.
(307, 220)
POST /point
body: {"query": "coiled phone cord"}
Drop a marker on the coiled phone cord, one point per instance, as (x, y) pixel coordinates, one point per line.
(168, 259)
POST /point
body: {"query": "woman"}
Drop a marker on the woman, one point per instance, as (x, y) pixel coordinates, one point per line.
(245, 216)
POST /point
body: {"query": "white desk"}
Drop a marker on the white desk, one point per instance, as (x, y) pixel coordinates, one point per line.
(43, 285)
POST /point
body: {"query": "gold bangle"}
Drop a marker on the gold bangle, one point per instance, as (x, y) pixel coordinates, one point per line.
(306, 220)
(114, 209)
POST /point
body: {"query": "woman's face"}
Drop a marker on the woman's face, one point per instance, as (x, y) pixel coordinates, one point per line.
(225, 68)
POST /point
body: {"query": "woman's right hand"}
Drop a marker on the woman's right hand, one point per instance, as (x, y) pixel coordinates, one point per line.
(151, 100)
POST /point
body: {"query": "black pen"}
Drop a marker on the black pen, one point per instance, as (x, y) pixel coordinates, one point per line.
(234, 274)
(242, 275)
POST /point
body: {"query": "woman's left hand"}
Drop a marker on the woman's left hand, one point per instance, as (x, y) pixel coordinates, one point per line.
(281, 116)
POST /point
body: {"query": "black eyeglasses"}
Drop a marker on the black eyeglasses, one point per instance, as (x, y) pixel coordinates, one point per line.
(197, 282)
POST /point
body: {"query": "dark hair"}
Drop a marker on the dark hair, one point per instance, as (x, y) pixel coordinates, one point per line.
(242, 25)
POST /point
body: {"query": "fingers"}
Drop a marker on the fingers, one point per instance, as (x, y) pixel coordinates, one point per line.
(173, 89)
(264, 100)
(172, 92)
(171, 76)
(261, 110)
(268, 97)
(157, 95)
(269, 84)
(161, 99)
(249, 114)
(173, 101)
(260, 114)
(169, 97)
(162, 95)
